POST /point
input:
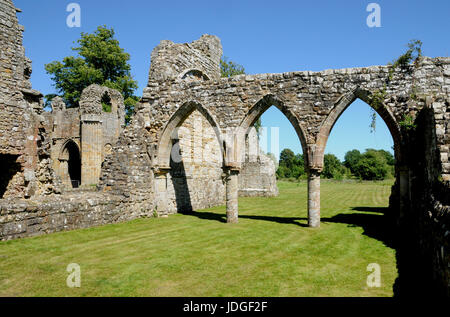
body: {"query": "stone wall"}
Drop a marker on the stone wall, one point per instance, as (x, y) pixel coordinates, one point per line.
(91, 130)
(199, 60)
(26, 166)
(258, 173)
(195, 179)
(423, 249)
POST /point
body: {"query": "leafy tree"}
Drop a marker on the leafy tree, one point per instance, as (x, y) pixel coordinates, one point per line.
(372, 166)
(100, 61)
(351, 158)
(390, 160)
(287, 158)
(291, 165)
(229, 68)
(332, 167)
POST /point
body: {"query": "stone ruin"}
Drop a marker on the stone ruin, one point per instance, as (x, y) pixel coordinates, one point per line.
(189, 146)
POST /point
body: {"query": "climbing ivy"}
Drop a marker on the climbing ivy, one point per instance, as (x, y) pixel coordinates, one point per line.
(407, 123)
(412, 55)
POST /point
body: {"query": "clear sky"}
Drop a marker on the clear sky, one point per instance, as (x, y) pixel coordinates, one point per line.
(263, 36)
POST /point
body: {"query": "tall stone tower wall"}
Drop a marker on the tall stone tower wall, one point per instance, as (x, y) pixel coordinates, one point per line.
(24, 157)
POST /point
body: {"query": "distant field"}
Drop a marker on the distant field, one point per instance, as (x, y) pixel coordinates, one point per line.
(271, 252)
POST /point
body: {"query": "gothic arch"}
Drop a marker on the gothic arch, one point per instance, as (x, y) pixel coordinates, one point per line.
(176, 120)
(70, 160)
(255, 113)
(340, 106)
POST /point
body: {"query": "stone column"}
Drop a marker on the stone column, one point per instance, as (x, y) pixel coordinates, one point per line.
(161, 190)
(91, 148)
(232, 188)
(314, 198)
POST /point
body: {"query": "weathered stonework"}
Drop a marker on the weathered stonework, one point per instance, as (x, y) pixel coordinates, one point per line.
(25, 166)
(139, 177)
(83, 136)
(258, 173)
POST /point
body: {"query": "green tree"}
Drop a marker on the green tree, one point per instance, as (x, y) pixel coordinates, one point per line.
(287, 158)
(100, 61)
(291, 165)
(351, 158)
(390, 160)
(229, 68)
(372, 166)
(333, 167)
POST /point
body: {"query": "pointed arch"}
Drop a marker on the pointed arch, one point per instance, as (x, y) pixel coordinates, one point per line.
(176, 120)
(70, 156)
(340, 106)
(256, 112)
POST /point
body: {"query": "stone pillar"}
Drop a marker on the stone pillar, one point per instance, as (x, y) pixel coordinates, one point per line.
(91, 148)
(232, 188)
(314, 198)
(161, 190)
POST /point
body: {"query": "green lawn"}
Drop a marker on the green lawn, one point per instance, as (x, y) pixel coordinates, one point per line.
(271, 252)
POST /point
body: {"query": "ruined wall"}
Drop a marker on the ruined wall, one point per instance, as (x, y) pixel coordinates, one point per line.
(195, 179)
(24, 145)
(14, 74)
(199, 60)
(93, 130)
(423, 232)
(257, 176)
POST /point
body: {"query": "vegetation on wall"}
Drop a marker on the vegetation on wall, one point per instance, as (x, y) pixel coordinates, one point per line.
(411, 56)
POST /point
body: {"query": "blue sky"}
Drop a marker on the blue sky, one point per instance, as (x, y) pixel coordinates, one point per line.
(263, 36)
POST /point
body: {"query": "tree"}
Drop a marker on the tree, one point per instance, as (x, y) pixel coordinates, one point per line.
(291, 165)
(372, 166)
(101, 61)
(390, 160)
(332, 167)
(287, 158)
(351, 158)
(229, 68)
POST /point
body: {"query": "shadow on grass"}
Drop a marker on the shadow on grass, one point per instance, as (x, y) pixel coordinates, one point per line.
(222, 218)
(206, 215)
(376, 226)
(371, 209)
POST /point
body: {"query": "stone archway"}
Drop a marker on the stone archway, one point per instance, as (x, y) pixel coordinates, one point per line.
(257, 111)
(172, 176)
(70, 164)
(340, 106)
(317, 155)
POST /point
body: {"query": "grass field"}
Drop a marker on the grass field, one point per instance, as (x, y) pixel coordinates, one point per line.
(271, 252)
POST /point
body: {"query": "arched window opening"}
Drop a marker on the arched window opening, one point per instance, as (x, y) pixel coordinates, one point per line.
(360, 146)
(195, 178)
(106, 103)
(71, 164)
(193, 75)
